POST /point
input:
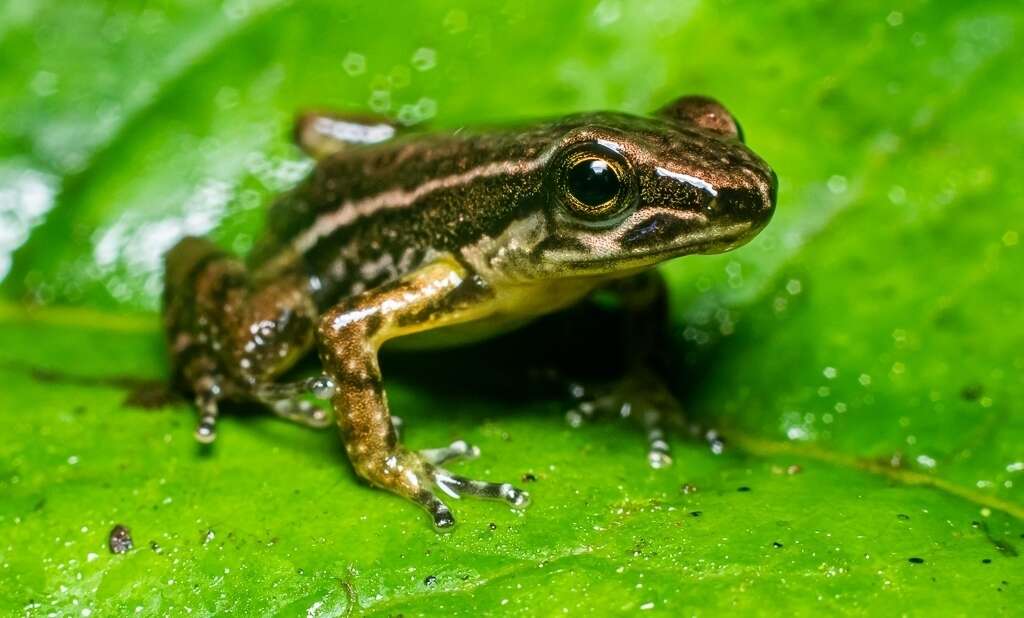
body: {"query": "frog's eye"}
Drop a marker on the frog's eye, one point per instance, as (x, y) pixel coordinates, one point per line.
(595, 182)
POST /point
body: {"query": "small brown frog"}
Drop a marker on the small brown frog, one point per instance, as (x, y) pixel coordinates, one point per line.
(442, 238)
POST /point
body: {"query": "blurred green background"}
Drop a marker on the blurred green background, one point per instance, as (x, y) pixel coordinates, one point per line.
(863, 356)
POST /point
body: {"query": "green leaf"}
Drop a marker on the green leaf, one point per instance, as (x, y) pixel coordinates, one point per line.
(863, 357)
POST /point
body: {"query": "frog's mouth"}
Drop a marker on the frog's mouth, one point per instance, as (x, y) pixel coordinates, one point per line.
(719, 244)
(624, 252)
(668, 231)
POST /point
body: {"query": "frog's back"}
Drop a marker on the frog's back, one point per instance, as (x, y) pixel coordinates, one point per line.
(371, 214)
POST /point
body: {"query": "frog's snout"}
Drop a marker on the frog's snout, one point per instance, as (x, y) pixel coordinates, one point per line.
(750, 201)
(773, 191)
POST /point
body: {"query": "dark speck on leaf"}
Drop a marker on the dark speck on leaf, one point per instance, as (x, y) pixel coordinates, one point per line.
(915, 560)
(975, 524)
(120, 540)
(986, 561)
(902, 516)
(529, 477)
(743, 488)
(777, 545)
(430, 581)
(972, 392)
(492, 526)
(156, 547)
(695, 513)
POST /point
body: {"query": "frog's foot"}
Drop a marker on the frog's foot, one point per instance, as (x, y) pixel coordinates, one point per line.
(642, 397)
(285, 399)
(419, 477)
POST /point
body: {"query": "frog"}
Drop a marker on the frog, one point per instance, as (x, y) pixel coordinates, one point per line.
(423, 238)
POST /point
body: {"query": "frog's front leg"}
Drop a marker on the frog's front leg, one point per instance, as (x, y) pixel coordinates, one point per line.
(349, 336)
(641, 395)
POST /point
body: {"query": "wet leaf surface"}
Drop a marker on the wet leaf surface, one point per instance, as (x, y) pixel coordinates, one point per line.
(863, 357)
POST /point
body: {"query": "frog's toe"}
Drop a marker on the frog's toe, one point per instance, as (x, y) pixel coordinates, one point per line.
(206, 430)
(715, 441)
(658, 455)
(207, 391)
(581, 413)
(455, 450)
(438, 510)
(457, 486)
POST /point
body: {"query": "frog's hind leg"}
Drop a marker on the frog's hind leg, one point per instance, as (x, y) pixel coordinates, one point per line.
(197, 271)
(229, 336)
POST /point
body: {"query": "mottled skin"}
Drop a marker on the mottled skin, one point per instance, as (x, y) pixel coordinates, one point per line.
(436, 239)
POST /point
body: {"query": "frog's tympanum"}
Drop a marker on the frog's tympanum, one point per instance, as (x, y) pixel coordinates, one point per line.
(442, 238)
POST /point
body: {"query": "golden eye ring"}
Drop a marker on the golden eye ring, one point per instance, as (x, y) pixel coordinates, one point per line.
(595, 182)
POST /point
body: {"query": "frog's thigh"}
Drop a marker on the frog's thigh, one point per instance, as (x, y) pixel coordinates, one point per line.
(349, 336)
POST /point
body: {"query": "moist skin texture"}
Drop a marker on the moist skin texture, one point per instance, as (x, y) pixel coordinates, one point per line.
(439, 239)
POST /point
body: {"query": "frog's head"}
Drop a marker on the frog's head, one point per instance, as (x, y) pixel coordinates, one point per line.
(626, 192)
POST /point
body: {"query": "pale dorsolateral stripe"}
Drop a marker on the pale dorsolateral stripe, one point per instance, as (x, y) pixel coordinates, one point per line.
(351, 210)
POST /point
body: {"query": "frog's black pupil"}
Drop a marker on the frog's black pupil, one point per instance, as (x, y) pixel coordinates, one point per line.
(593, 182)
